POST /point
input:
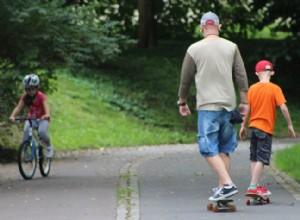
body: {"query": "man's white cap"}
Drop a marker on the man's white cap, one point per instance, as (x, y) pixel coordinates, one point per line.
(209, 18)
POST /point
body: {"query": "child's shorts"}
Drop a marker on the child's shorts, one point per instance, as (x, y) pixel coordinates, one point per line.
(260, 146)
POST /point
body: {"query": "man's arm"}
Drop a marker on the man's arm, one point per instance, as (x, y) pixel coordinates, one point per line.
(187, 74)
(188, 71)
(240, 75)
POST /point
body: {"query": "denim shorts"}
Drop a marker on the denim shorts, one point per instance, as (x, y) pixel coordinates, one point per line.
(215, 133)
(260, 146)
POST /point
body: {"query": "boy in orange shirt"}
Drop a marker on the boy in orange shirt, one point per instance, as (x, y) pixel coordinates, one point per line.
(263, 98)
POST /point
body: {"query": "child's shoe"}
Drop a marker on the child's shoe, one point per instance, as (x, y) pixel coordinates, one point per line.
(259, 190)
(49, 151)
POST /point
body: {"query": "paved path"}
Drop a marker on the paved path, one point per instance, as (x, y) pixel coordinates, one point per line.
(163, 182)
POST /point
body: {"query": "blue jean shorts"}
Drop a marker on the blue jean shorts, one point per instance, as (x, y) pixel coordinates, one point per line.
(215, 133)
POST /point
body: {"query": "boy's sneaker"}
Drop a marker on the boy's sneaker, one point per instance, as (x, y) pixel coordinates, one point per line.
(49, 151)
(224, 192)
(259, 190)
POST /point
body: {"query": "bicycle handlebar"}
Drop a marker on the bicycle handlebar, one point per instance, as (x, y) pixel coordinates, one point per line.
(25, 118)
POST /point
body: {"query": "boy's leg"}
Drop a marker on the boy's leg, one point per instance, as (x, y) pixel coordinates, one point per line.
(257, 169)
(260, 152)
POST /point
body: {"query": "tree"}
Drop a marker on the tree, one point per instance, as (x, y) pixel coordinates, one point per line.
(285, 14)
(39, 36)
(147, 24)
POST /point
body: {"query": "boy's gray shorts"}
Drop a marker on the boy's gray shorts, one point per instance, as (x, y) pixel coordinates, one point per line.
(260, 146)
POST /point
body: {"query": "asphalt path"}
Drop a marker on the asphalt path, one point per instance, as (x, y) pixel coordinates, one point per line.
(147, 183)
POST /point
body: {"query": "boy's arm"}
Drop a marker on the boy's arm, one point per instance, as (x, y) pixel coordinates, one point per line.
(286, 115)
(17, 110)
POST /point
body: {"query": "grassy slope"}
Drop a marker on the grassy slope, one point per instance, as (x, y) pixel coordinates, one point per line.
(81, 119)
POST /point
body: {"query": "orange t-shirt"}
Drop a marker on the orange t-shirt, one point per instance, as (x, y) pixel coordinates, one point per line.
(263, 99)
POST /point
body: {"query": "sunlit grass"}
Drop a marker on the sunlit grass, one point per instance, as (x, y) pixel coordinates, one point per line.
(288, 161)
(81, 119)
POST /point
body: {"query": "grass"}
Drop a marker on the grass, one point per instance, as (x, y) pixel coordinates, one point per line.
(287, 160)
(129, 102)
(81, 119)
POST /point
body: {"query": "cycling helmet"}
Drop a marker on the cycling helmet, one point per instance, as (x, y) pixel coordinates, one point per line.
(31, 80)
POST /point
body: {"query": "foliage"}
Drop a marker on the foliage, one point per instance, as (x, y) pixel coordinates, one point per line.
(178, 19)
(37, 36)
(286, 64)
(283, 13)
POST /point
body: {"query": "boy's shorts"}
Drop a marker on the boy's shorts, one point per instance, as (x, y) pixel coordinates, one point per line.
(215, 133)
(260, 146)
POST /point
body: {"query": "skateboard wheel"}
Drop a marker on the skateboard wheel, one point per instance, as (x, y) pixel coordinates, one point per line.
(248, 202)
(231, 208)
(215, 209)
(261, 201)
(210, 207)
(268, 200)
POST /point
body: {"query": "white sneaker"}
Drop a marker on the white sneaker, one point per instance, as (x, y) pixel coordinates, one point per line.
(49, 151)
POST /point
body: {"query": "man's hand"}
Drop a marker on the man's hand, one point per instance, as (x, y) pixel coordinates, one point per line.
(184, 110)
(243, 132)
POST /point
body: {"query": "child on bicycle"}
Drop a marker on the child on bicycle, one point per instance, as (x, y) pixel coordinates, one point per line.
(37, 105)
(263, 98)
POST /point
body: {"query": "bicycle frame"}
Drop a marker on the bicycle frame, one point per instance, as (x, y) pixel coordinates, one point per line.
(31, 153)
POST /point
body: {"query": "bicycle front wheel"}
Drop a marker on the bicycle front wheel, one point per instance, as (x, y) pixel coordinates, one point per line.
(27, 160)
(44, 162)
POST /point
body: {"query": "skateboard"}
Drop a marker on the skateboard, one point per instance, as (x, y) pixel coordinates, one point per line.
(257, 199)
(222, 205)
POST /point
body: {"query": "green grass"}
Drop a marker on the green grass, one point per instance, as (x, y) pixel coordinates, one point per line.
(287, 160)
(81, 118)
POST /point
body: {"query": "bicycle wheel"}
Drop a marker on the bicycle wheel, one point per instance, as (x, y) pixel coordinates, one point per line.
(44, 162)
(27, 160)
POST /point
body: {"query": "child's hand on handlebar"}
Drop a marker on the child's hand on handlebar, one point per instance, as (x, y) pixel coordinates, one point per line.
(12, 118)
(45, 117)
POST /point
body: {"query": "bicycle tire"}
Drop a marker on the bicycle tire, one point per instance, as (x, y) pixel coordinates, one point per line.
(44, 162)
(27, 160)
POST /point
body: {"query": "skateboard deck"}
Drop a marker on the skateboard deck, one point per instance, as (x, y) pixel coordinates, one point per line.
(257, 199)
(222, 205)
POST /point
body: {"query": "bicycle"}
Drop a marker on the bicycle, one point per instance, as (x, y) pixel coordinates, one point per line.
(31, 152)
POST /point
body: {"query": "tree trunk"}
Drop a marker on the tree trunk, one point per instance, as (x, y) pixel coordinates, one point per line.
(147, 24)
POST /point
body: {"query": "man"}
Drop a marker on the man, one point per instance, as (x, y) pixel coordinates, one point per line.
(212, 62)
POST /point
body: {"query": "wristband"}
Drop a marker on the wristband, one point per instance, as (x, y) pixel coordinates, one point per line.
(181, 104)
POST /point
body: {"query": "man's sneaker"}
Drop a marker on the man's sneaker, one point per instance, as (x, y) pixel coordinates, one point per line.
(224, 192)
(259, 190)
(49, 151)
(215, 189)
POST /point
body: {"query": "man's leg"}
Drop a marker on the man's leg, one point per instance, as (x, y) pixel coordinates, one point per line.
(227, 161)
(219, 166)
